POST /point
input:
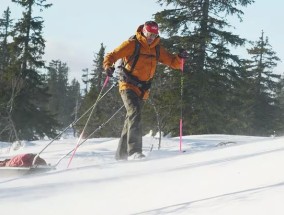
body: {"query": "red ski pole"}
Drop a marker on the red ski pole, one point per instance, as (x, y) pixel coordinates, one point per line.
(181, 105)
(82, 133)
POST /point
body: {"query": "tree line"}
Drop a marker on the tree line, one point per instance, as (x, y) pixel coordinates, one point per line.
(222, 92)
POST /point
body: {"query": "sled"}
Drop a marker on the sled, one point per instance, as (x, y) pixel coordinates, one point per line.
(21, 171)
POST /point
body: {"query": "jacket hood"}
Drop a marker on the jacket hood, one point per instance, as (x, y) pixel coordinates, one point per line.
(140, 37)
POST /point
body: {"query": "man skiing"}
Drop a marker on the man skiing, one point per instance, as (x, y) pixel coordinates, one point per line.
(135, 81)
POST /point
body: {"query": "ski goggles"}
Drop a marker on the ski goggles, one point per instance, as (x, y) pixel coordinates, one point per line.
(150, 35)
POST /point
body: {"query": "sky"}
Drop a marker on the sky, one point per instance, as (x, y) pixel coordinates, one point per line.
(74, 30)
(217, 174)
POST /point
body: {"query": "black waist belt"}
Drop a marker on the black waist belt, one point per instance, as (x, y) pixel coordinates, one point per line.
(127, 77)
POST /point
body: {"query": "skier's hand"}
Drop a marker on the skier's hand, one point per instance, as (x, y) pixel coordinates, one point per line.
(109, 71)
(183, 54)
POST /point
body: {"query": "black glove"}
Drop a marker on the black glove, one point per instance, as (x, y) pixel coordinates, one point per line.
(109, 71)
(183, 53)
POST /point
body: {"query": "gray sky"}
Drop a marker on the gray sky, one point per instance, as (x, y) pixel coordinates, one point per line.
(74, 30)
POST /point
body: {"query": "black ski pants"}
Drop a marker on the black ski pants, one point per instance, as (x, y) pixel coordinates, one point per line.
(131, 137)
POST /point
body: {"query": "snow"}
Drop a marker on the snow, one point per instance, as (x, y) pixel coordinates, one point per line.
(216, 175)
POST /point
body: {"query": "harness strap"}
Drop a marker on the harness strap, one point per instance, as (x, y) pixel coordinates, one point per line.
(135, 56)
(129, 78)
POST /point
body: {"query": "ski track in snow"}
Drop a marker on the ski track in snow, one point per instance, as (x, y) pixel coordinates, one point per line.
(217, 174)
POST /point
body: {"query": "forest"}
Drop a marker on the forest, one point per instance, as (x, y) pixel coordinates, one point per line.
(218, 92)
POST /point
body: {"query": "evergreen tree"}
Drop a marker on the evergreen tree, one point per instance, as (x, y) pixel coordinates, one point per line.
(265, 84)
(5, 33)
(27, 94)
(105, 107)
(73, 102)
(60, 103)
(6, 127)
(97, 75)
(279, 121)
(201, 28)
(85, 79)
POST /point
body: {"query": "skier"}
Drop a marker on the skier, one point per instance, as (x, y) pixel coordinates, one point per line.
(135, 81)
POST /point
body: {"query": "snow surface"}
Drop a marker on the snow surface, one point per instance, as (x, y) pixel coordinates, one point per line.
(216, 175)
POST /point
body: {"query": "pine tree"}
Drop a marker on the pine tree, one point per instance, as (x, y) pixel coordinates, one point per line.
(5, 33)
(97, 75)
(105, 107)
(201, 28)
(60, 103)
(279, 121)
(86, 79)
(73, 102)
(265, 83)
(6, 24)
(27, 94)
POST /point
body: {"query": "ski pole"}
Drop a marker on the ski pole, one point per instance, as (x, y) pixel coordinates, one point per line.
(75, 121)
(96, 130)
(82, 133)
(181, 105)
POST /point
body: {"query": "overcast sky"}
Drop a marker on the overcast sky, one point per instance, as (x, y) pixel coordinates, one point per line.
(74, 30)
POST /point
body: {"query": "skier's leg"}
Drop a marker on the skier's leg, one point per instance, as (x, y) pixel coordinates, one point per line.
(121, 152)
(133, 104)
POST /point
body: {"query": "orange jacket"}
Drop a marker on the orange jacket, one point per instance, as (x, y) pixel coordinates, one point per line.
(145, 67)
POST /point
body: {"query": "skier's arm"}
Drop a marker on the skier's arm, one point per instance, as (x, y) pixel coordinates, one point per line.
(171, 60)
(124, 50)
